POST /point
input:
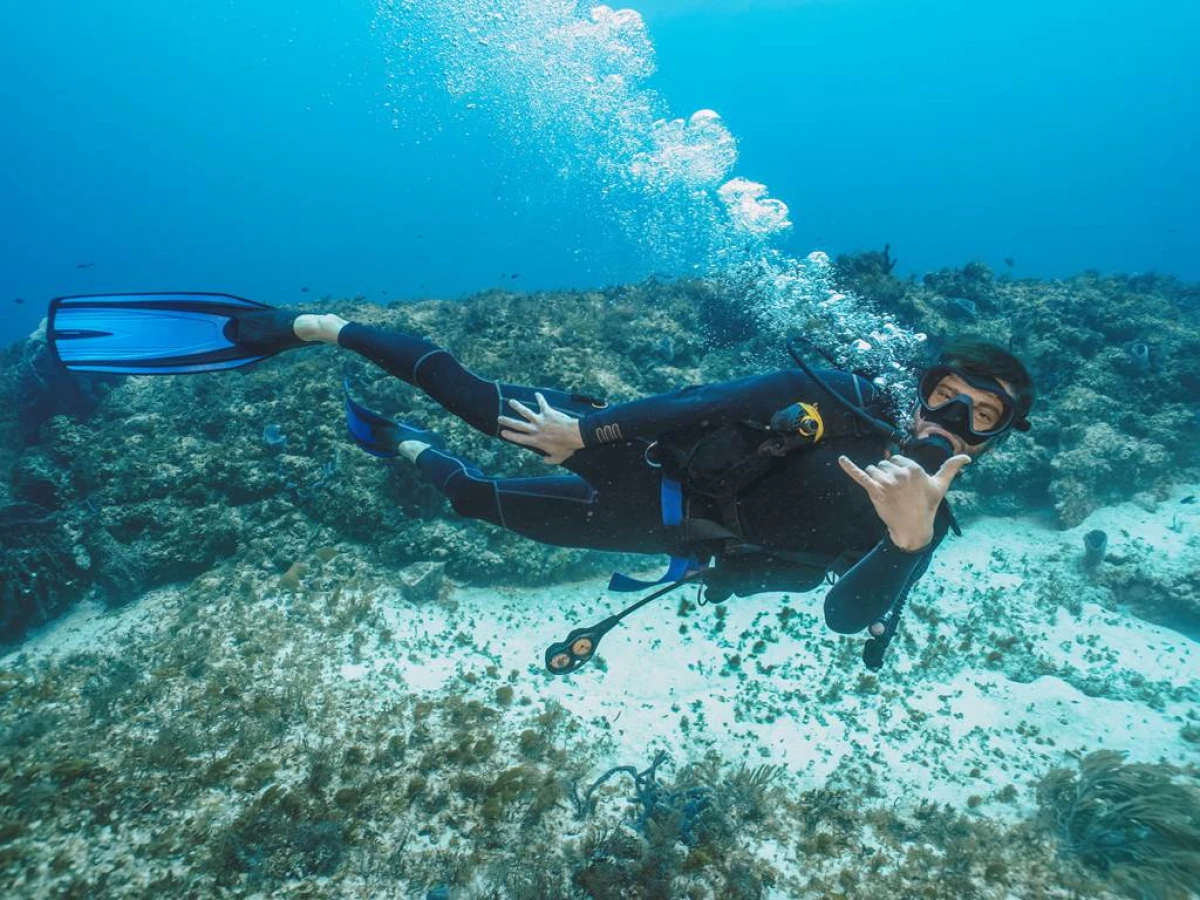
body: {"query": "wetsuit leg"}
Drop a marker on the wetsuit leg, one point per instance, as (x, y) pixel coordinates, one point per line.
(475, 400)
(564, 510)
(610, 503)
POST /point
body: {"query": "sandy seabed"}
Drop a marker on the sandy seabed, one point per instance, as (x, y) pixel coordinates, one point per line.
(1010, 662)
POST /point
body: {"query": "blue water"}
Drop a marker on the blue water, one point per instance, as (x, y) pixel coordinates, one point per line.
(247, 146)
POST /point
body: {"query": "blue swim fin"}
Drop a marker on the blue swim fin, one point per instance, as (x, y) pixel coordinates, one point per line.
(379, 435)
(165, 334)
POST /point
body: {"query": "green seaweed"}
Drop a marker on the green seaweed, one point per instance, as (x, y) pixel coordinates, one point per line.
(1138, 824)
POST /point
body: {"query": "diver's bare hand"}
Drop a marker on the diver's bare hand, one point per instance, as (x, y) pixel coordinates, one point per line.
(549, 430)
(905, 496)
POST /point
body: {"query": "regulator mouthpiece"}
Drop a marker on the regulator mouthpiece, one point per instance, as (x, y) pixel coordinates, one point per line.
(929, 452)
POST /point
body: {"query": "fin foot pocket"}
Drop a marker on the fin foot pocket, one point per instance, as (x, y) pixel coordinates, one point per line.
(267, 331)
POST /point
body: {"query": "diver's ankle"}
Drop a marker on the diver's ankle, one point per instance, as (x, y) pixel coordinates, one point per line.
(324, 328)
(410, 450)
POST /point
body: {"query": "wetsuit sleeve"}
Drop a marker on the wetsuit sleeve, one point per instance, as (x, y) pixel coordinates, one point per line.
(756, 397)
(874, 584)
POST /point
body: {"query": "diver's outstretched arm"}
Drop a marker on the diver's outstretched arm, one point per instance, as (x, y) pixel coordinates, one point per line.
(756, 398)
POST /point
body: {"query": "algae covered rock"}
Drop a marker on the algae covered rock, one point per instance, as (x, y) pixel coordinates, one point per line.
(422, 582)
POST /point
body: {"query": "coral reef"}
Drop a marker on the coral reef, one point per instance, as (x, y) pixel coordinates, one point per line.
(1135, 823)
(870, 273)
(41, 573)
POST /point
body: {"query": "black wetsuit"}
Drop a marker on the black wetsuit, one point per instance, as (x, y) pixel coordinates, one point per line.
(612, 499)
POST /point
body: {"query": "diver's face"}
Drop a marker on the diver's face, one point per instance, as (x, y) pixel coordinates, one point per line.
(987, 408)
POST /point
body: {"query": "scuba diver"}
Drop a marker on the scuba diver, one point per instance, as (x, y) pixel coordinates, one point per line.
(782, 481)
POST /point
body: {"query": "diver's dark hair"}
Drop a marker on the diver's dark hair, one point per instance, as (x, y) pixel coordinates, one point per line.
(979, 357)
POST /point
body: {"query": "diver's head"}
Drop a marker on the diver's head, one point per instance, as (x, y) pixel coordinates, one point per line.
(973, 397)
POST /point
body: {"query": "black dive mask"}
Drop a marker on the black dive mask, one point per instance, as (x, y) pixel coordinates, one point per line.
(957, 414)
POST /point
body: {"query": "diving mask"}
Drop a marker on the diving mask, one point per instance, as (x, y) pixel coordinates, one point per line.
(958, 414)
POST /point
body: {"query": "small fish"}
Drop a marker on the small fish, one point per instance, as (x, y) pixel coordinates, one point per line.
(304, 290)
(1190, 498)
(84, 265)
(18, 300)
(1009, 261)
(516, 274)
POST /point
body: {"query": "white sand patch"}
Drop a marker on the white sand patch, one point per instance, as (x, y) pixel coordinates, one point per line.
(919, 734)
(92, 626)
